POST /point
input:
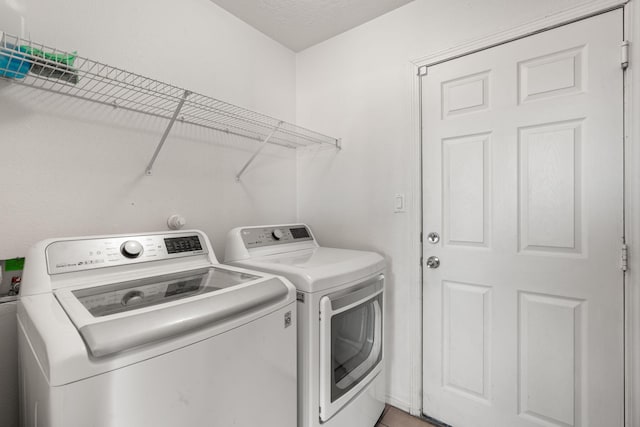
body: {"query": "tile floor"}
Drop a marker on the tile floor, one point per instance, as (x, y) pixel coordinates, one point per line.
(394, 417)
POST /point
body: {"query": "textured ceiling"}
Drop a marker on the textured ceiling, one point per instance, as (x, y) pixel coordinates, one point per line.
(299, 24)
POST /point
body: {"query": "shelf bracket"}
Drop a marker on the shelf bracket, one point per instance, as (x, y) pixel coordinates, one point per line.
(167, 130)
(262, 145)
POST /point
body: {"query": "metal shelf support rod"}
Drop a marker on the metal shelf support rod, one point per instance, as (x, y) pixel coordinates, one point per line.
(262, 145)
(167, 130)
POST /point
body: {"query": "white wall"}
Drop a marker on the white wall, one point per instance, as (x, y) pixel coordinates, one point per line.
(70, 168)
(75, 168)
(357, 86)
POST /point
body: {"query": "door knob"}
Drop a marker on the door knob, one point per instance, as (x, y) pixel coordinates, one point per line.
(433, 262)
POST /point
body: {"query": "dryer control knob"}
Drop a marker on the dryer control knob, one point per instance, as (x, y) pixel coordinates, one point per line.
(131, 249)
(277, 234)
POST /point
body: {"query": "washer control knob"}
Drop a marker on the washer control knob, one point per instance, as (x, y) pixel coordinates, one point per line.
(277, 234)
(131, 249)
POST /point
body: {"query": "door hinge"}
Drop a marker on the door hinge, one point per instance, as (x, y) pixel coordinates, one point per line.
(624, 55)
(624, 257)
(421, 260)
(422, 71)
(421, 237)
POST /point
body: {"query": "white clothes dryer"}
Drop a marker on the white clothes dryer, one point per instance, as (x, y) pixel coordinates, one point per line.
(150, 330)
(340, 320)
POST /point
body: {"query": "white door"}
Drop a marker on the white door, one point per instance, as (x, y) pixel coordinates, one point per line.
(523, 155)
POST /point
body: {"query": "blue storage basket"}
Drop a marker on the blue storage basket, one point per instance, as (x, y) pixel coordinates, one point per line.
(13, 64)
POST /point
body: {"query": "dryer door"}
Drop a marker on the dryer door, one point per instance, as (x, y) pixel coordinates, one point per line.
(350, 343)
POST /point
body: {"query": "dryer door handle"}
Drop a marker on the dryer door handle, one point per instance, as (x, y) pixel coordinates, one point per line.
(354, 296)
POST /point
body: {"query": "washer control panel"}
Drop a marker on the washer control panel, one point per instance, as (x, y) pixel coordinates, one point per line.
(274, 235)
(86, 254)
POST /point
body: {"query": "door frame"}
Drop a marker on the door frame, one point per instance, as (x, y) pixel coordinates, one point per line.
(418, 65)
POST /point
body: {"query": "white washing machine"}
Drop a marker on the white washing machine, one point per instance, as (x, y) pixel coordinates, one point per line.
(340, 320)
(149, 330)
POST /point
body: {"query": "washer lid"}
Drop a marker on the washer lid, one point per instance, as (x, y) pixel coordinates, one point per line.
(132, 295)
(313, 270)
(117, 317)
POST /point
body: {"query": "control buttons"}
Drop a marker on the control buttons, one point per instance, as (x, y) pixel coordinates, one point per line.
(277, 234)
(132, 298)
(131, 249)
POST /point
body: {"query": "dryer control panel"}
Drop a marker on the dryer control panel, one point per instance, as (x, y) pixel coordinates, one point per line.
(85, 254)
(274, 235)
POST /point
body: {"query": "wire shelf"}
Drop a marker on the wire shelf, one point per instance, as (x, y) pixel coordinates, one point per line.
(32, 64)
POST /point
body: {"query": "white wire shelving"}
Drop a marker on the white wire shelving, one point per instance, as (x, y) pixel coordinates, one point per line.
(32, 64)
